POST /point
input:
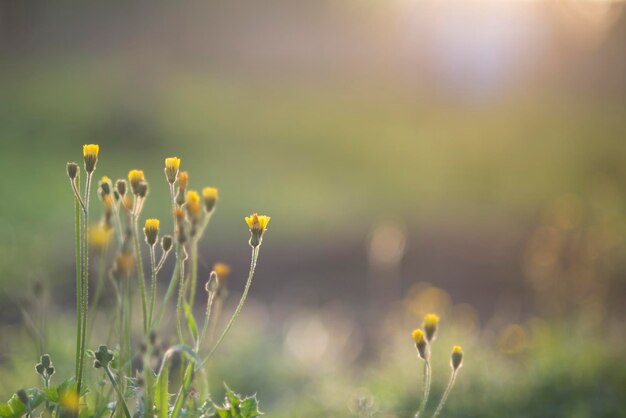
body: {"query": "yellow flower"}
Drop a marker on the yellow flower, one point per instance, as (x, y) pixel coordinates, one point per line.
(151, 230)
(431, 322)
(420, 343)
(99, 236)
(91, 150)
(418, 336)
(172, 164)
(69, 400)
(258, 226)
(193, 205)
(456, 359)
(209, 195)
(90, 155)
(222, 270)
(135, 177)
(183, 180)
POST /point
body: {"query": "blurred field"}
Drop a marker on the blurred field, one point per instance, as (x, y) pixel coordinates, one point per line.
(496, 192)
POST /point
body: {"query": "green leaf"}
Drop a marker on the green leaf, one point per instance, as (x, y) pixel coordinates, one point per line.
(249, 408)
(14, 408)
(191, 321)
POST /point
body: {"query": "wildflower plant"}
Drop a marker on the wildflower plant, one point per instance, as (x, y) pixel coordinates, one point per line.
(135, 369)
(423, 340)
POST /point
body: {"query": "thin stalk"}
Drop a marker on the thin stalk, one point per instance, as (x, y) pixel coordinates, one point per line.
(427, 378)
(153, 269)
(85, 282)
(118, 391)
(254, 257)
(169, 292)
(98, 293)
(181, 291)
(207, 319)
(194, 258)
(79, 288)
(194, 271)
(140, 274)
(445, 394)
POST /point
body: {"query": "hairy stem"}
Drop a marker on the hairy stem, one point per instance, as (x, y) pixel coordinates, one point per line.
(255, 255)
(427, 378)
(85, 282)
(79, 287)
(140, 274)
(120, 395)
(445, 394)
(153, 269)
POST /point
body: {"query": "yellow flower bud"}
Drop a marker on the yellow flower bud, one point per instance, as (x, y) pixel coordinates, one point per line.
(431, 322)
(209, 195)
(135, 178)
(90, 155)
(258, 226)
(151, 230)
(420, 343)
(456, 360)
(172, 165)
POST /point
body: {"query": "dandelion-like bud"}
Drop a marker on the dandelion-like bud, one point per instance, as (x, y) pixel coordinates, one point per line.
(120, 185)
(90, 154)
(431, 322)
(23, 396)
(103, 356)
(456, 359)
(258, 226)
(193, 205)
(124, 263)
(141, 190)
(420, 343)
(222, 270)
(179, 215)
(212, 284)
(183, 180)
(135, 177)
(72, 170)
(171, 169)
(151, 229)
(166, 243)
(105, 186)
(209, 195)
(99, 237)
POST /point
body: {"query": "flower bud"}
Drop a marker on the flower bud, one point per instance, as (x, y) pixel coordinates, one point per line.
(209, 195)
(420, 343)
(90, 155)
(72, 170)
(257, 225)
(431, 322)
(120, 185)
(151, 230)
(456, 359)
(171, 169)
(166, 243)
(135, 177)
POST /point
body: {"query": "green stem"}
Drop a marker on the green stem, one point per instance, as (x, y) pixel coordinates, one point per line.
(207, 319)
(79, 288)
(194, 272)
(181, 291)
(169, 292)
(118, 391)
(153, 269)
(140, 275)
(445, 394)
(255, 255)
(85, 283)
(427, 378)
(98, 293)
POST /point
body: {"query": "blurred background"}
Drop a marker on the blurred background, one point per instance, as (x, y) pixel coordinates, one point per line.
(461, 157)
